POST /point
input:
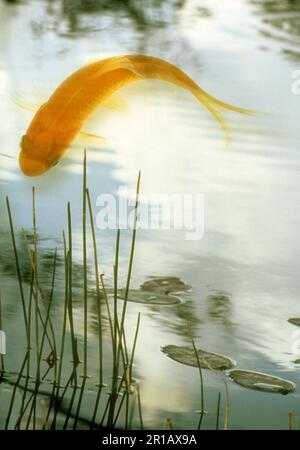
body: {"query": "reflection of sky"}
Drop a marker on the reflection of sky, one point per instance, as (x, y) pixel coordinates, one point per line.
(250, 248)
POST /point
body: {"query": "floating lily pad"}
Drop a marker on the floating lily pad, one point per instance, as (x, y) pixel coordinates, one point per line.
(165, 285)
(149, 298)
(261, 381)
(295, 321)
(208, 360)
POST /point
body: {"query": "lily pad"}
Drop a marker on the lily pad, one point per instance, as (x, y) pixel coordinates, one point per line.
(149, 298)
(295, 321)
(261, 381)
(165, 285)
(208, 360)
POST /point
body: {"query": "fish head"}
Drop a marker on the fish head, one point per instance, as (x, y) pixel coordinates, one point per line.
(37, 155)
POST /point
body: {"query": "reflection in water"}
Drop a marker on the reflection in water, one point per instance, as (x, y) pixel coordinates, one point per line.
(181, 320)
(219, 307)
(75, 17)
(73, 9)
(281, 21)
(24, 243)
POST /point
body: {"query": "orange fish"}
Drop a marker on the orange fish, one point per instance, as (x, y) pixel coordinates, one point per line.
(61, 118)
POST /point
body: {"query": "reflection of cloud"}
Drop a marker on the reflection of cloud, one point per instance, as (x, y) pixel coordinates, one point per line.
(76, 17)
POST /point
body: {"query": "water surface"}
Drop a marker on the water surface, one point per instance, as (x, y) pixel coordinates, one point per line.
(244, 273)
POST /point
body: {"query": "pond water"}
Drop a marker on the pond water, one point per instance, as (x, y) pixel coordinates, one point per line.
(244, 272)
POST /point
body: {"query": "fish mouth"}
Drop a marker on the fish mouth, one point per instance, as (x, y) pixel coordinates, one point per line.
(32, 167)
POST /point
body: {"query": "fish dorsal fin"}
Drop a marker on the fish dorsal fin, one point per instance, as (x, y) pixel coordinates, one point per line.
(116, 63)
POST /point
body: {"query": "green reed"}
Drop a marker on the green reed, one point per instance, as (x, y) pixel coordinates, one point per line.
(45, 371)
(218, 411)
(46, 347)
(2, 365)
(85, 297)
(201, 387)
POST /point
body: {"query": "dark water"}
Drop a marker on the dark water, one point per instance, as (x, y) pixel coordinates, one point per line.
(244, 272)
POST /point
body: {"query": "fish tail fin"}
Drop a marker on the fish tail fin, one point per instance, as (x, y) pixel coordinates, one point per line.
(216, 108)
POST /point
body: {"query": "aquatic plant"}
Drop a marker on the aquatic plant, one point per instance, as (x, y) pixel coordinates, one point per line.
(52, 389)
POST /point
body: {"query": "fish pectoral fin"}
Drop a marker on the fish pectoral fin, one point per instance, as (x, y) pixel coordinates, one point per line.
(23, 103)
(115, 103)
(89, 137)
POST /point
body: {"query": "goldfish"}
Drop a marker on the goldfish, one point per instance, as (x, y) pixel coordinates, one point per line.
(58, 121)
